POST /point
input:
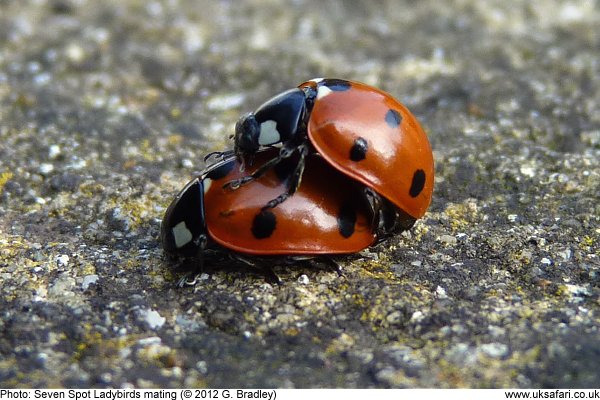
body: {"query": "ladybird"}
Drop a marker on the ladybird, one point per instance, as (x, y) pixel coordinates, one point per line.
(360, 130)
(327, 215)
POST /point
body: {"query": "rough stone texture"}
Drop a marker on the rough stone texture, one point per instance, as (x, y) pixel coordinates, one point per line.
(107, 108)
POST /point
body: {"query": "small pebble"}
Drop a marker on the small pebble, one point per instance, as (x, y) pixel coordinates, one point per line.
(54, 151)
(152, 318)
(448, 239)
(88, 280)
(546, 261)
(441, 293)
(495, 350)
(46, 168)
(62, 260)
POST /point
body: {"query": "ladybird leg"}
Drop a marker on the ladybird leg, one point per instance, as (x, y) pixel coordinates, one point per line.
(218, 155)
(374, 201)
(387, 220)
(294, 183)
(323, 259)
(327, 260)
(199, 268)
(237, 183)
(284, 153)
(264, 268)
(270, 275)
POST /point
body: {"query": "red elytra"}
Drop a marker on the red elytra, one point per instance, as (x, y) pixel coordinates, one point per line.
(370, 136)
(360, 130)
(327, 215)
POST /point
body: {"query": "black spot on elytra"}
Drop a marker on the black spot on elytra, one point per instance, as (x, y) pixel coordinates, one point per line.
(418, 183)
(221, 171)
(393, 118)
(346, 220)
(264, 224)
(359, 149)
(337, 85)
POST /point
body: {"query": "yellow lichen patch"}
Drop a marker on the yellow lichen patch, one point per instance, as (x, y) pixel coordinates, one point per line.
(586, 242)
(91, 188)
(88, 268)
(523, 256)
(344, 342)
(292, 331)
(131, 264)
(5, 177)
(158, 354)
(358, 299)
(9, 245)
(501, 372)
(174, 139)
(148, 150)
(94, 344)
(136, 210)
(374, 314)
(416, 234)
(462, 215)
(378, 271)
(175, 112)
(454, 375)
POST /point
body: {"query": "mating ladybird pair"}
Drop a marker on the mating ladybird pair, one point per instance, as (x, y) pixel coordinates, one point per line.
(330, 167)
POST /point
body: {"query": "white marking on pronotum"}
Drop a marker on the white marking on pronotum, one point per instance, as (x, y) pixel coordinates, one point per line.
(322, 92)
(316, 80)
(206, 182)
(268, 133)
(181, 234)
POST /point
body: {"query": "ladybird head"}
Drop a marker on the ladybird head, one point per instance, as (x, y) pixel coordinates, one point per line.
(183, 229)
(276, 121)
(247, 132)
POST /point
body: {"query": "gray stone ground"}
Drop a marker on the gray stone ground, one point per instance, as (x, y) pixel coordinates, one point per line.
(106, 109)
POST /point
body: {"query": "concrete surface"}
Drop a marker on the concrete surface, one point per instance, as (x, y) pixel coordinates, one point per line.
(106, 109)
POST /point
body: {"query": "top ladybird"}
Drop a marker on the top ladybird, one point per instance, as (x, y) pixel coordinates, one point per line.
(369, 175)
(360, 130)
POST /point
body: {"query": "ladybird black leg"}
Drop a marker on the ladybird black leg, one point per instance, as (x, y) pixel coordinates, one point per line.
(237, 183)
(284, 153)
(264, 268)
(218, 155)
(322, 259)
(199, 267)
(388, 220)
(327, 260)
(374, 202)
(247, 162)
(270, 275)
(294, 183)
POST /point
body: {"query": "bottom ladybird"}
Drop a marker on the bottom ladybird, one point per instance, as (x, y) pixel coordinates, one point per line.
(329, 213)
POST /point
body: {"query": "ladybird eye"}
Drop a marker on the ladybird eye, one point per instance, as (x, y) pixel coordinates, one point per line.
(418, 183)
